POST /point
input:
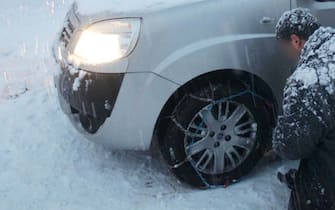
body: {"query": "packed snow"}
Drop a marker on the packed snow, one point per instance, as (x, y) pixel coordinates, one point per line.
(46, 164)
(78, 80)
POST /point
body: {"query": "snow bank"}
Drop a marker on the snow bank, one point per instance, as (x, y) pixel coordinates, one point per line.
(87, 7)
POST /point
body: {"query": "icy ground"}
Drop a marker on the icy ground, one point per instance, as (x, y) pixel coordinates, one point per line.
(45, 164)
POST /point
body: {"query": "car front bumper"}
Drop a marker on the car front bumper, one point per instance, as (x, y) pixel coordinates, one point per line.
(115, 104)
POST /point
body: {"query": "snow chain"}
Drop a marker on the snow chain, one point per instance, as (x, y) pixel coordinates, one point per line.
(188, 159)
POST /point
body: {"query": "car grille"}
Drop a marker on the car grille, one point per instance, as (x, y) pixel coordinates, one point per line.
(94, 99)
(67, 33)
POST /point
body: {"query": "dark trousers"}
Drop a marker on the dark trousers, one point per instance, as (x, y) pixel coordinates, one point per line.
(291, 205)
(298, 203)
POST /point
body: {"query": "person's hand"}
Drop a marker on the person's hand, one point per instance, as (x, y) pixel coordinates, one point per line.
(271, 155)
(287, 178)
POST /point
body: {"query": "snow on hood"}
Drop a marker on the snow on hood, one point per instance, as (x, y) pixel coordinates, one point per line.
(87, 7)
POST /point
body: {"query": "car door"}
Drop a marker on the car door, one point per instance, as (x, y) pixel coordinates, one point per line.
(323, 9)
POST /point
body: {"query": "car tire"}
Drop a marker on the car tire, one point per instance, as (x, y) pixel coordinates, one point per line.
(203, 154)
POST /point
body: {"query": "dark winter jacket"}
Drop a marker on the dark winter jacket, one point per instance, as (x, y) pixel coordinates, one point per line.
(306, 130)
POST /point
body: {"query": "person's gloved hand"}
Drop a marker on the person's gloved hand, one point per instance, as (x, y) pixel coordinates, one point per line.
(288, 178)
(272, 155)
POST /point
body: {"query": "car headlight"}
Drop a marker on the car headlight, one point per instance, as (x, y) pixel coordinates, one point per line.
(106, 41)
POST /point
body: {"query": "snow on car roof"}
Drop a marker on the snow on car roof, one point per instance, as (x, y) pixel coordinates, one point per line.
(87, 7)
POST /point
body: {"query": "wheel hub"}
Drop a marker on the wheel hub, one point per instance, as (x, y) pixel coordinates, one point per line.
(220, 137)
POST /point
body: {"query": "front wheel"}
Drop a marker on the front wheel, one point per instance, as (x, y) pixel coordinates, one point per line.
(216, 134)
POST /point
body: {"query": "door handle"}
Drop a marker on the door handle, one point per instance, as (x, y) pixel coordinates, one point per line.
(267, 20)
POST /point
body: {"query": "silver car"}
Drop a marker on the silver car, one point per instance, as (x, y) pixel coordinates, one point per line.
(201, 80)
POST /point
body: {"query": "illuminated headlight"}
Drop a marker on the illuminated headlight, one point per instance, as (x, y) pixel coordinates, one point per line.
(106, 41)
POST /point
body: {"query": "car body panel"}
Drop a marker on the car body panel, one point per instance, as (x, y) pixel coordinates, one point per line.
(134, 115)
(129, 7)
(324, 10)
(213, 38)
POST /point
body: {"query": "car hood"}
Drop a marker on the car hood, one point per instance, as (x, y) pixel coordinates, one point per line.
(89, 7)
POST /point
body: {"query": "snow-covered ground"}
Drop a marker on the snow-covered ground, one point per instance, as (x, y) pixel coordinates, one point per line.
(46, 164)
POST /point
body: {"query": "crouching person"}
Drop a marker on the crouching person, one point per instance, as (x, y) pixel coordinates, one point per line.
(306, 129)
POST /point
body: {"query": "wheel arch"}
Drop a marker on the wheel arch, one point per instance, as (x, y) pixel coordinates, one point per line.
(254, 82)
